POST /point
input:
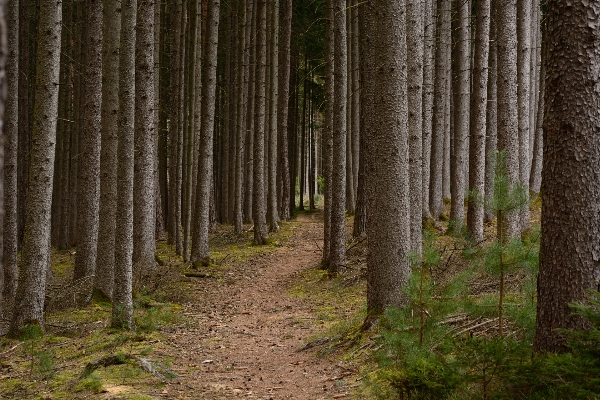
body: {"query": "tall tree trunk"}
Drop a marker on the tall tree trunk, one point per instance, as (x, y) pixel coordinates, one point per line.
(200, 252)
(535, 181)
(429, 46)
(414, 40)
(9, 268)
(249, 145)
(273, 211)
(144, 243)
(337, 252)
(122, 310)
(508, 121)
(491, 122)
(439, 105)
(523, 92)
(570, 181)
(105, 261)
(478, 122)
(350, 194)
(283, 106)
(89, 156)
(461, 91)
(242, 103)
(328, 132)
(29, 301)
(355, 99)
(388, 203)
(259, 210)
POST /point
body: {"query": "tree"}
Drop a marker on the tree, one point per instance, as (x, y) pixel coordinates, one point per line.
(272, 197)
(29, 301)
(388, 204)
(524, 27)
(508, 122)
(461, 90)
(122, 309)
(414, 39)
(491, 122)
(479, 103)
(105, 258)
(337, 252)
(9, 265)
(89, 164)
(200, 252)
(570, 182)
(328, 133)
(144, 244)
(429, 49)
(259, 211)
(439, 105)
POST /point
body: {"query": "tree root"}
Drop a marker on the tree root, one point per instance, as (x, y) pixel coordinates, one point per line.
(120, 359)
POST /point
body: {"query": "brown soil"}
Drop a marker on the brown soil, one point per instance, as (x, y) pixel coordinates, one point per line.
(246, 333)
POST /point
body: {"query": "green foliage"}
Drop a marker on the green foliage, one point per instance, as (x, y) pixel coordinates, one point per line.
(91, 383)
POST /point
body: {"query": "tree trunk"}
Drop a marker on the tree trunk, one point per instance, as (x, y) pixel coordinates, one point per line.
(429, 46)
(570, 182)
(461, 91)
(105, 261)
(89, 157)
(535, 180)
(388, 204)
(242, 103)
(200, 252)
(282, 107)
(122, 309)
(524, 92)
(328, 133)
(508, 121)
(273, 100)
(144, 243)
(9, 268)
(29, 301)
(249, 145)
(479, 102)
(259, 210)
(439, 106)
(491, 117)
(414, 40)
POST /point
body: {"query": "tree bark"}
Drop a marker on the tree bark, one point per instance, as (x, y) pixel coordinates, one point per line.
(491, 129)
(89, 164)
(524, 27)
(273, 211)
(569, 266)
(388, 204)
(29, 301)
(328, 133)
(122, 309)
(200, 251)
(283, 106)
(9, 268)
(479, 102)
(105, 260)
(508, 121)
(144, 219)
(429, 50)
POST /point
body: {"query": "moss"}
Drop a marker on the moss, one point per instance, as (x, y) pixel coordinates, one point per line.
(92, 383)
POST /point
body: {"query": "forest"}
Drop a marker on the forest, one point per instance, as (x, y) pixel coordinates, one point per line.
(300, 199)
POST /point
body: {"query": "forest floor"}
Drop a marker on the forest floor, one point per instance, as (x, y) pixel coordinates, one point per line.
(263, 322)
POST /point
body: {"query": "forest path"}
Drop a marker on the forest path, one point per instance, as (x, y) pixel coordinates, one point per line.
(246, 330)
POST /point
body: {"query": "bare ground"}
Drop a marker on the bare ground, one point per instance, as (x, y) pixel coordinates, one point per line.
(247, 333)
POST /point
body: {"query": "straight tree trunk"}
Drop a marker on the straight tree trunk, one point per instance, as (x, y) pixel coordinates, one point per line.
(479, 102)
(429, 49)
(105, 261)
(570, 182)
(4, 57)
(337, 252)
(461, 90)
(350, 194)
(388, 203)
(249, 145)
(9, 268)
(524, 26)
(283, 106)
(242, 103)
(414, 40)
(122, 309)
(29, 301)
(535, 182)
(439, 105)
(144, 219)
(200, 252)
(508, 121)
(328, 133)
(491, 129)
(355, 99)
(273, 211)
(89, 157)
(259, 210)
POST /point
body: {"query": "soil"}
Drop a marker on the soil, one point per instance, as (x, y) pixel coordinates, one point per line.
(246, 333)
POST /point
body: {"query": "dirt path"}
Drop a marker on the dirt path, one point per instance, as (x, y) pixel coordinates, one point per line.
(247, 331)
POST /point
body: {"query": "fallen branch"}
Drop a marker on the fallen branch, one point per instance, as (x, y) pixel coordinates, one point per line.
(196, 275)
(5, 352)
